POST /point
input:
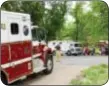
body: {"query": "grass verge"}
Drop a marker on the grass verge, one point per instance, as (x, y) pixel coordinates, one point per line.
(95, 75)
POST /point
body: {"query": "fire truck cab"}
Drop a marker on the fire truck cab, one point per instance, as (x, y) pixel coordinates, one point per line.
(23, 48)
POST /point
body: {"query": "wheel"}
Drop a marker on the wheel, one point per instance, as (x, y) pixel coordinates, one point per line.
(48, 64)
(3, 78)
(75, 54)
(69, 53)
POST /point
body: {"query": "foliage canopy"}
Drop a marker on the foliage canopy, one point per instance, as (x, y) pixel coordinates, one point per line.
(90, 26)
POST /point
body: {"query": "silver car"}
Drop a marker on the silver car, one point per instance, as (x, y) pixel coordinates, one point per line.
(74, 49)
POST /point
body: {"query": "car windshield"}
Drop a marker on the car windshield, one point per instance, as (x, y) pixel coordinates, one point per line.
(77, 45)
(39, 34)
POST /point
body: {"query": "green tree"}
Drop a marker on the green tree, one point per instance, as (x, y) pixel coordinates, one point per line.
(92, 26)
(11, 6)
(77, 13)
(100, 9)
(54, 18)
(34, 8)
(96, 22)
(51, 19)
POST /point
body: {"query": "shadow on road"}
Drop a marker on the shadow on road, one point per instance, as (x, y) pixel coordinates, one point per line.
(30, 78)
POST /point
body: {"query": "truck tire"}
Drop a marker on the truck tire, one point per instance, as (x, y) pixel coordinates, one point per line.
(4, 79)
(68, 53)
(49, 64)
(75, 54)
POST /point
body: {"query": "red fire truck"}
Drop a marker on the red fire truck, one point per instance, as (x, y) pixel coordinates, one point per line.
(23, 48)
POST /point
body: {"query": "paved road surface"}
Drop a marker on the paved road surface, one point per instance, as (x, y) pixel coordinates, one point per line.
(85, 60)
(64, 71)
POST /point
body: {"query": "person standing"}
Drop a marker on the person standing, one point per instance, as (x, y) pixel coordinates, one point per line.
(102, 50)
(106, 50)
(87, 51)
(97, 51)
(58, 53)
(92, 51)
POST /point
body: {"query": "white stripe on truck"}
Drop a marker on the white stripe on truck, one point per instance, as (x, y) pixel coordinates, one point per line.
(14, 63)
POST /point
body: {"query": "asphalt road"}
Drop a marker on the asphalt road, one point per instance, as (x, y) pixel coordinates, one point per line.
(84, 60)
(64, 71)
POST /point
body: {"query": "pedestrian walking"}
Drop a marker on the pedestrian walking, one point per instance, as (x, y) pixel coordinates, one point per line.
(106, 50)
(97, 51)
(102, 50)
(92, 51)
(86, 51)
(58, 53)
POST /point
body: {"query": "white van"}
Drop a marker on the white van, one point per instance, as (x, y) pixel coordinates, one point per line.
(53, 44)
(67, 47)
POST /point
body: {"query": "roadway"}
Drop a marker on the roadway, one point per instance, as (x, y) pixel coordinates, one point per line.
(68, 68)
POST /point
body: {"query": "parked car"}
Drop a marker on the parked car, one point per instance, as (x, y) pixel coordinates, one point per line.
(74, 49)
(67, 47)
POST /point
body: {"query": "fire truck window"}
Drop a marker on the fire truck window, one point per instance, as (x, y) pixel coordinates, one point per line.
(25, 30)
(38, 34)
(34, 36)
(42, 33)
(14, 28)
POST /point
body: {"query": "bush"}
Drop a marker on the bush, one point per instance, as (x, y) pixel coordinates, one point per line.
(95, 75)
